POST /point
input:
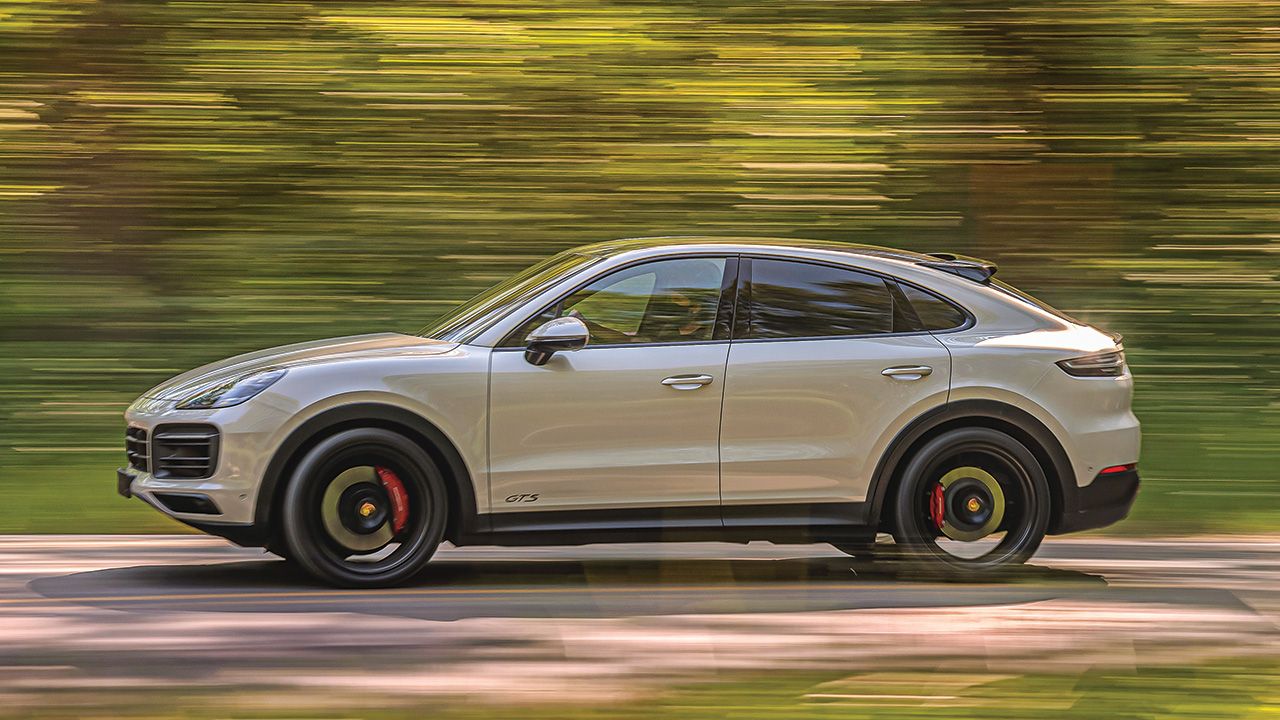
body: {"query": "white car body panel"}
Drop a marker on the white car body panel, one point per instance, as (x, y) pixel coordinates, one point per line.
(316, 351)
(801, 417)
(597, 428)
(1091, 417)
(444, 383)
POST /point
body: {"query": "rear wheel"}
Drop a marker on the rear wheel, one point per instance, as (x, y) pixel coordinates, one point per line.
(973, 499)
(365, 508)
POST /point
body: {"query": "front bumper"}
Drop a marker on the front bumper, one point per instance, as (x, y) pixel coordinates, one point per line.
(227, 493)
(207, 520)
(1105, 501)
(124, 483)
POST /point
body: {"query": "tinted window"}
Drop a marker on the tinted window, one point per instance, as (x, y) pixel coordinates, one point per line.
(793, 299)
(657, 302)
(934, 312)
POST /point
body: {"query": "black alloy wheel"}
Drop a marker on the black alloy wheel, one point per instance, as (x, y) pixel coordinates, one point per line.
(971, 500)
(364, 508)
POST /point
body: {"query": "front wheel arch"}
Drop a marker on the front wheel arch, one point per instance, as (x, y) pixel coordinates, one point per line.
(462, 517)
(1013, 421)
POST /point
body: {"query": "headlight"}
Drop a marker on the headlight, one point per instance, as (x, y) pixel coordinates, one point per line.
(231, 392)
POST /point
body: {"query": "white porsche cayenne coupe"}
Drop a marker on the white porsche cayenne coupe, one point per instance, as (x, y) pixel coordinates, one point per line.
(673, 389)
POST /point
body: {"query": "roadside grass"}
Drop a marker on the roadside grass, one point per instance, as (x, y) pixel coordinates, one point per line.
(1221, 690)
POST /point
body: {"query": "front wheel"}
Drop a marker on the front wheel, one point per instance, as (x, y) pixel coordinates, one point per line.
(973, 499)
(364, 508)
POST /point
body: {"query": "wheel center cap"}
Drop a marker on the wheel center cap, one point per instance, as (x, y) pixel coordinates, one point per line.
(367, 509)
(971, 504)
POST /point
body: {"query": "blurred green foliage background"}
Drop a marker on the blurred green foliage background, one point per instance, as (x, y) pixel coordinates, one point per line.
(184, 180)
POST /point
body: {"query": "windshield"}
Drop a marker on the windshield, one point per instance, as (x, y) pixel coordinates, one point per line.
(467, 320)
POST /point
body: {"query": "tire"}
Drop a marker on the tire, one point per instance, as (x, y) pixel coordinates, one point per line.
(948, 515)
(364, 508)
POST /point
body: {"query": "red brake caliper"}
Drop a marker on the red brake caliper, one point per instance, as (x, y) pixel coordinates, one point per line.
(399, 498)
(936, 508)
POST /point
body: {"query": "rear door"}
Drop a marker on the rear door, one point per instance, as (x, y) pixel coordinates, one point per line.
(825, 360)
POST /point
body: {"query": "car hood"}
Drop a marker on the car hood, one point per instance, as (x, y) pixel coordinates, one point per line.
(188, 383)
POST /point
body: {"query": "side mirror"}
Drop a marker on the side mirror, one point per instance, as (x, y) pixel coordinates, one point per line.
(564, 334)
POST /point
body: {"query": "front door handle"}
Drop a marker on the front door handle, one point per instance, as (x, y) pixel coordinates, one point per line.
(907, 372)
(687, 382)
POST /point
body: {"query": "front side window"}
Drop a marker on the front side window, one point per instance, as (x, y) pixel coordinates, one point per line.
(664, 301)
(804, 300)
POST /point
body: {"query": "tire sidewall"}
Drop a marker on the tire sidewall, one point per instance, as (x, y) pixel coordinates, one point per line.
(300, 528)
(905, 524)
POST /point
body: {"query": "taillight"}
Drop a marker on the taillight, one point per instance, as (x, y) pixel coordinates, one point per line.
(1103, 364)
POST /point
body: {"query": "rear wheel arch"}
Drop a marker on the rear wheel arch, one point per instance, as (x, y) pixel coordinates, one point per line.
(1015, 422)
(462, 508)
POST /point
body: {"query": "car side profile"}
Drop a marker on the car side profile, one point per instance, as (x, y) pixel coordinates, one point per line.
(665, 389)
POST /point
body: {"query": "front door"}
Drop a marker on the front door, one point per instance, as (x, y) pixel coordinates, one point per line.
(630, 422)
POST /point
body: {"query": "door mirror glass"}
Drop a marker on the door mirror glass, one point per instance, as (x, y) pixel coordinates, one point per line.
(564, 334)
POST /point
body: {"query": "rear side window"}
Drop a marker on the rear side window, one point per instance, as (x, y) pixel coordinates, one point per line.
(934, 312)
(795, 299)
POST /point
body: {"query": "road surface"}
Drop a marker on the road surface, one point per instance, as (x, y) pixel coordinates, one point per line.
(86, 617)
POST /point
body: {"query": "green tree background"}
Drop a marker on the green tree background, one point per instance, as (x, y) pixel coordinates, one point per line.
(183, 180)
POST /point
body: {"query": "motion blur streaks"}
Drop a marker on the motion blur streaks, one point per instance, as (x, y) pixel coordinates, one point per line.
(180, 181)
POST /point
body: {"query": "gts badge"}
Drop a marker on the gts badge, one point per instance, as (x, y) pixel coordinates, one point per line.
(523, 498)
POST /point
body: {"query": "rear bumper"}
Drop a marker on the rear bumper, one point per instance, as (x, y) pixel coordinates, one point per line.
(1105, 501)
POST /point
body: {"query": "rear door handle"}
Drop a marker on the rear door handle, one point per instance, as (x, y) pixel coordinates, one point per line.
(907, 372)
(687, 382)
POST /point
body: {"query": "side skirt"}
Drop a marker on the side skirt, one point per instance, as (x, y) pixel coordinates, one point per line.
(782, 523)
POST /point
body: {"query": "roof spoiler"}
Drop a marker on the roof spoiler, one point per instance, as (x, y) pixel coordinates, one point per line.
(970, 268)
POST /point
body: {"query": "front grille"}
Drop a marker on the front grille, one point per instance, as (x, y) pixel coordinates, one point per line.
(184, 452)
(135, 448)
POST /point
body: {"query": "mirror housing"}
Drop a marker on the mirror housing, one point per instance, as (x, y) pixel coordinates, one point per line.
(564, 334)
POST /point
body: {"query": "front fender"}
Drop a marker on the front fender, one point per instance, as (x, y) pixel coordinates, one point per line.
(464, 516)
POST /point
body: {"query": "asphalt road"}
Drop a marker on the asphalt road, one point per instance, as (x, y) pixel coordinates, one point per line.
(82, 613)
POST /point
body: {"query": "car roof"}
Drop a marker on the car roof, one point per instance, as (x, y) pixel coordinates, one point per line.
(617, 247)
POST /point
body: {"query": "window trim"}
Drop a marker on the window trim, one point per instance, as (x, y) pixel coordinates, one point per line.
(730, 274)
(744, 301)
